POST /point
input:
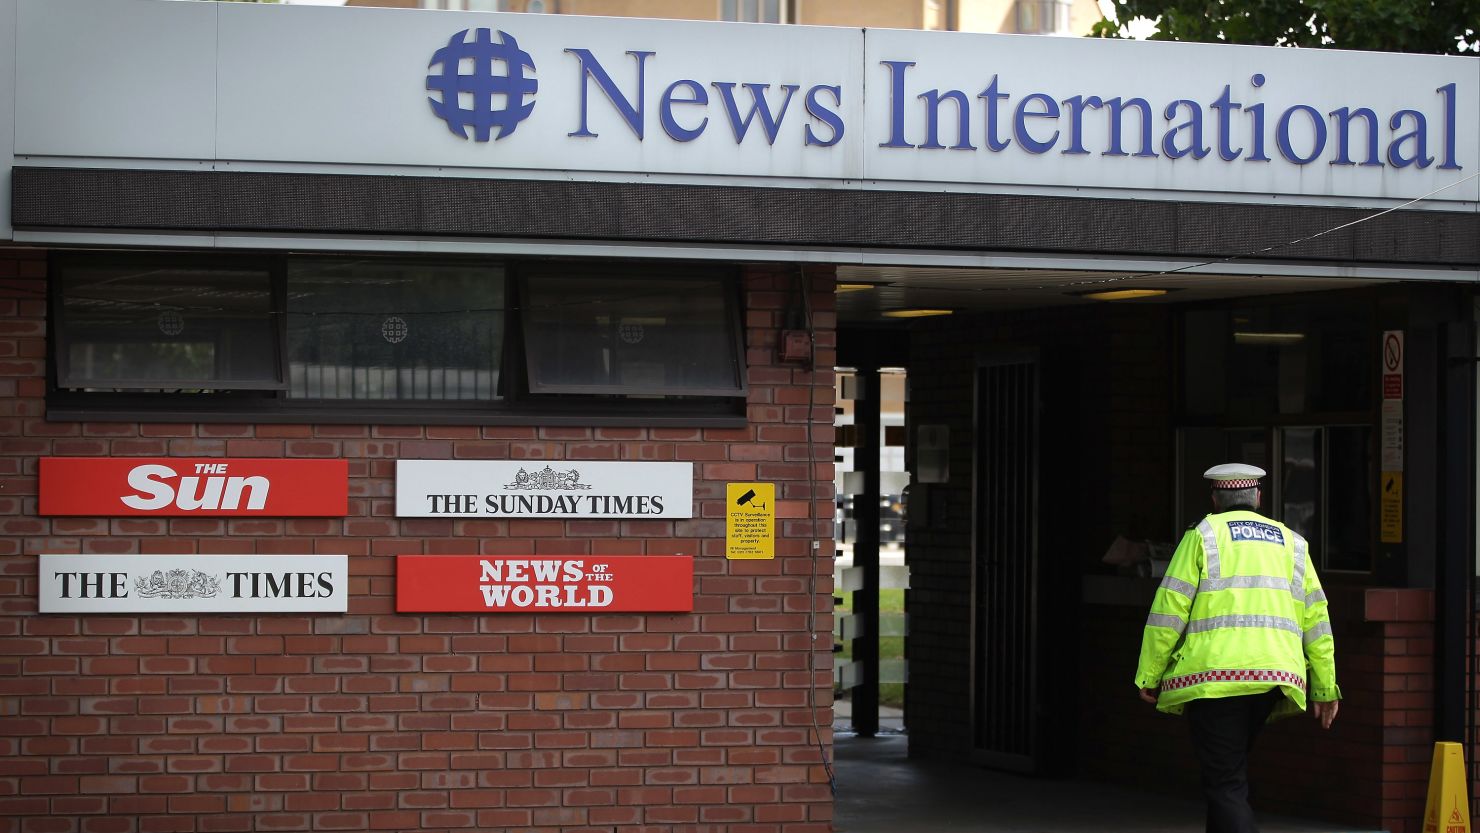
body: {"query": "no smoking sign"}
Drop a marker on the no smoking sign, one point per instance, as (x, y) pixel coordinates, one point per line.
(1392, 364)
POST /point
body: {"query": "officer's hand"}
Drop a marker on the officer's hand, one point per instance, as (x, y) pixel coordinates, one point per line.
(1148, 695)
(1325, 712)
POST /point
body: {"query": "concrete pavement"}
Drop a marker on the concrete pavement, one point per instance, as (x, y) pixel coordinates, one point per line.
(881, 791)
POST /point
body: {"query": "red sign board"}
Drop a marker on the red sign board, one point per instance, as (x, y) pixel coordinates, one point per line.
(545, 584)
(193, 486)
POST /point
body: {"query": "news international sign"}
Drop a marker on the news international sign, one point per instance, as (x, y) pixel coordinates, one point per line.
(567, 489)
(478, 94)
(193, 487)
(193, 584)
(544, 584)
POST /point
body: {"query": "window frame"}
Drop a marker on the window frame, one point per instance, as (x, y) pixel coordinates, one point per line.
(526, 384)
(516, 405)
(62, 341)
(1274, 424)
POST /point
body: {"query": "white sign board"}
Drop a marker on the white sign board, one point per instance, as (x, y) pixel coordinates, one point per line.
(7, 111)
(570, 489)
(571, 96)
(194, 584)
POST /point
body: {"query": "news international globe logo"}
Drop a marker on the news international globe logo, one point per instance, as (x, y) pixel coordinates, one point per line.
(482, 84)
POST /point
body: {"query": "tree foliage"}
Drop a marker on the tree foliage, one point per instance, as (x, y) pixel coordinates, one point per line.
(1441, 26)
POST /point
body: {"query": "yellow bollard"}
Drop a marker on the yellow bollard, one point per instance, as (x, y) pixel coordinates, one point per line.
(1448, 807)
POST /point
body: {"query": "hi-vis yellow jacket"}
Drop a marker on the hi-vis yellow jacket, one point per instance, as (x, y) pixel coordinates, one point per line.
(1239, 612)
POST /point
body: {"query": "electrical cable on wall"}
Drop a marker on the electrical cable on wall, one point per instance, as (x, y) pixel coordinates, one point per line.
(814, 545)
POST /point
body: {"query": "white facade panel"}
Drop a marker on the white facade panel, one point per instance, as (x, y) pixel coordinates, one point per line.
(349, 85)
(271, 87)
(127, 78)
(7, 109)
(1047, 90)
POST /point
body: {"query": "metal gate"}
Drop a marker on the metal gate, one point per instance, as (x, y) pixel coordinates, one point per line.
(1005, 711)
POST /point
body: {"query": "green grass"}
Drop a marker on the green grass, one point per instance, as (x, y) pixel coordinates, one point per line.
(890, 647)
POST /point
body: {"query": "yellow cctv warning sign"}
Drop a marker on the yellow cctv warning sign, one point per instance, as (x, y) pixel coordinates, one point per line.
(750, 520)
(1390, 507)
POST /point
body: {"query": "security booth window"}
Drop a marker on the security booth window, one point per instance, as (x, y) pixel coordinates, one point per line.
(1291, 388)
(390, 330)
(167, 325)
(399, 339)
(636, 337)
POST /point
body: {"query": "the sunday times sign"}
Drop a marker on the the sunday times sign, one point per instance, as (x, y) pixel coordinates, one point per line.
(583, 97)
(571, 489)
(194, 584)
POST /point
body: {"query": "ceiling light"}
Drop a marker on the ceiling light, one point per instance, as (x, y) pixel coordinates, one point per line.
(853, 287)
(916, 313)
(1122, 294)
(1268, 338)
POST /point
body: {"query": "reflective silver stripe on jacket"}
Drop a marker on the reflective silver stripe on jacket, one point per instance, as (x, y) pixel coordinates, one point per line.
(1216, 622)
(1178, 586)
(1210, 546)
(1297, 580)
(1315, 597)
(1245, 582)
(1320, 630)
(1166, 620)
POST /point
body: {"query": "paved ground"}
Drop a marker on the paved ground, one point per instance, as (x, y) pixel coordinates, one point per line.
(880, 791)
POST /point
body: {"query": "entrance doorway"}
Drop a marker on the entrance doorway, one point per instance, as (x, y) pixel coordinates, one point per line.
(1005, 704)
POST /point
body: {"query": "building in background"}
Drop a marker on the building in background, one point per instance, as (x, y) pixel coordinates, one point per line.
(1025, 17)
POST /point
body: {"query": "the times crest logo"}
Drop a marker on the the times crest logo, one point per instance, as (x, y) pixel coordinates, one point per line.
(472, 93)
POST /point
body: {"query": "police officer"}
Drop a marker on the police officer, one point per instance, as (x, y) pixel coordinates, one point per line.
(1236, 624)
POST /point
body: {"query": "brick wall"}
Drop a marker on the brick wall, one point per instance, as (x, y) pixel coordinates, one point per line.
(380, 721)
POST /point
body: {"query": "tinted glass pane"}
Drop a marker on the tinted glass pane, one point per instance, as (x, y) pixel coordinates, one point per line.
(1300, 484)
(382, 330)
(168, 328)
(1349, 498)
(1254, 363)
(612, 335)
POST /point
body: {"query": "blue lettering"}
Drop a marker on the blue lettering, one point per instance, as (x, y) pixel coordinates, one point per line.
(1256, 113)
(591, 69)
(1117, 108)
(1020, 123)
(1224, 105)
(932, 101)
(1447, 91)
(896, 104)
(1282, 134)
(758, 106)
(1194, 124)
(993, 98)
(1419, 135)
(697, 95)
(816, 110)
(1076, 106)
(1344, 117)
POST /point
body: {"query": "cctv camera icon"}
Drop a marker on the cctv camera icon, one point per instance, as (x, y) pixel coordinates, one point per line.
(748, 499)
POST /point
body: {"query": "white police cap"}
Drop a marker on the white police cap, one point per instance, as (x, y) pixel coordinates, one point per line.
(1234, 476)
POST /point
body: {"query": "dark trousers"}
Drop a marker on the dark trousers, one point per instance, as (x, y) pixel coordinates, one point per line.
(1223, 732)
